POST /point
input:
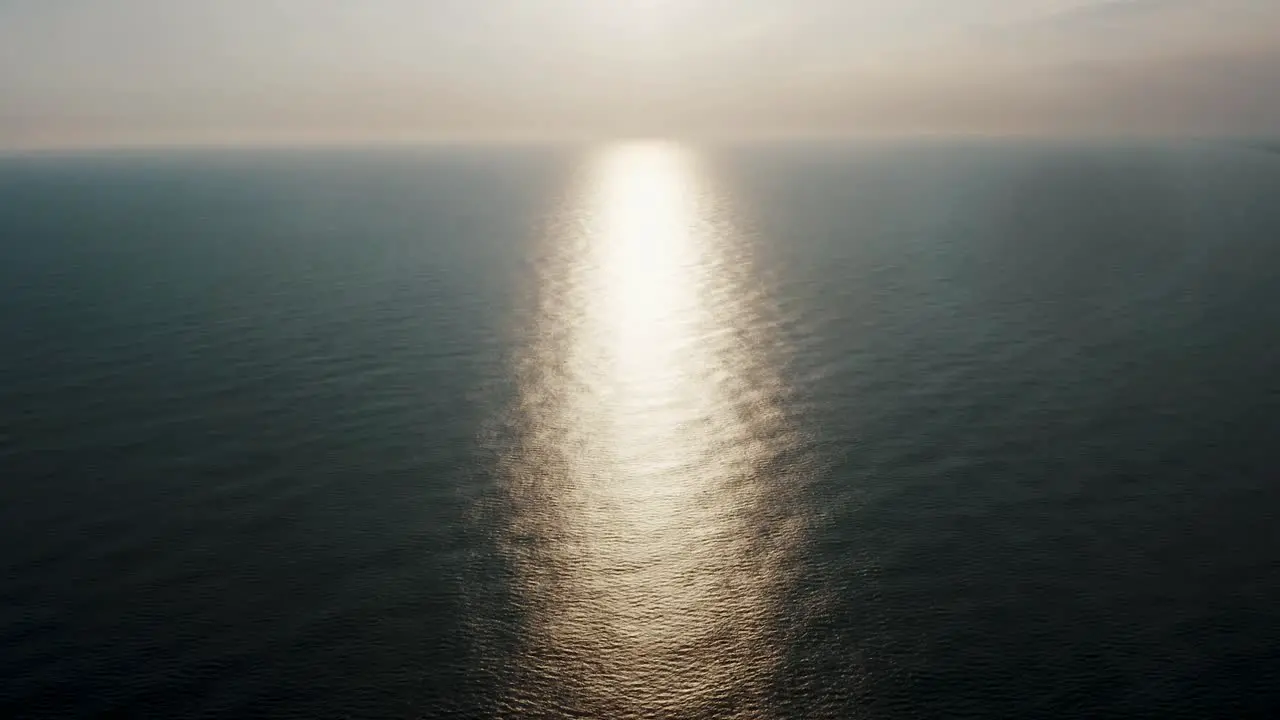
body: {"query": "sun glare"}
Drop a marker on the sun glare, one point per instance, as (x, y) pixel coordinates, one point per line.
(648, 422)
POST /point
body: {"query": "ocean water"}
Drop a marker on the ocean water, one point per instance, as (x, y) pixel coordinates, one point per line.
(896, 431)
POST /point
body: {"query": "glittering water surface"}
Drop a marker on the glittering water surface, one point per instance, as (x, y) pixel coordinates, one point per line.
(648, 490)
(948, 430)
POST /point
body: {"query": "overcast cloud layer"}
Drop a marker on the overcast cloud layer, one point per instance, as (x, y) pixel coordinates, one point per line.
(89, 72)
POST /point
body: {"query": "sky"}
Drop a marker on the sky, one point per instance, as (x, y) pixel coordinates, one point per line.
(126, 72)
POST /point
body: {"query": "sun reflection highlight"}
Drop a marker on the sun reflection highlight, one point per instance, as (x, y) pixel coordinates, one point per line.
(648, 488)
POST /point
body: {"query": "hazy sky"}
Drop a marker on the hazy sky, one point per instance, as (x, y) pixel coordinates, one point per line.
(89, 72)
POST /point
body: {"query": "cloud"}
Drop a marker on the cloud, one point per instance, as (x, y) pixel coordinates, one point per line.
(152, 71)
(1128, 66)
(1140, 29)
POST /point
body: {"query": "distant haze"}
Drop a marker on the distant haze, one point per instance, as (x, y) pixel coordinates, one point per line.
(88, 73)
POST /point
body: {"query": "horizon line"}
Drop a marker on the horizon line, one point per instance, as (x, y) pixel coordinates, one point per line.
(477, 141)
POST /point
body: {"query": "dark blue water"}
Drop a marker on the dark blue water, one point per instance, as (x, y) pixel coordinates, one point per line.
(911, 431)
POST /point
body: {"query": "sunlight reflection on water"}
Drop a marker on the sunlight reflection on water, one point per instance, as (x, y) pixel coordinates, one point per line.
(648, 530)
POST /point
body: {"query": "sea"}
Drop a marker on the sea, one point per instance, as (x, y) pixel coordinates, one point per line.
(900, 429)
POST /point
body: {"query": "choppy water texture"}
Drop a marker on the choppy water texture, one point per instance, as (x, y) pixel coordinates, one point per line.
(642, 431)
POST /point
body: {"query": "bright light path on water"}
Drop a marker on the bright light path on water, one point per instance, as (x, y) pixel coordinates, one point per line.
(651, 437)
